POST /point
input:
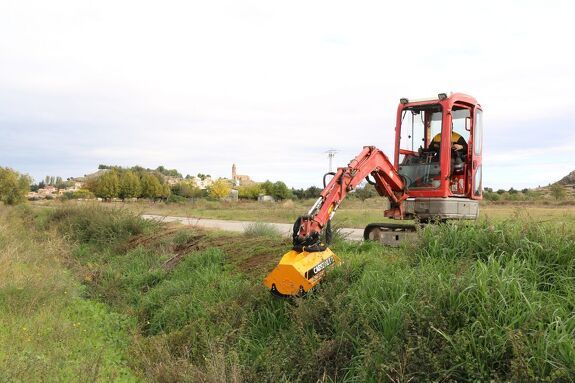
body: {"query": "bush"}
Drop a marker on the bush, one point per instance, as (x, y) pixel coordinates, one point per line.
(13, 186)
(173, 198)
(97, 224)
(261, 229)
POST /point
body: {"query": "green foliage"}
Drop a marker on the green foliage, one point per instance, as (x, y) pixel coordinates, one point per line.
(220, 189)
(183, 298)
(251, 191)
(261, 229)
(107, 185)
(558, 191)
(96, 224)
(48, 332)
(166, 191)
(267, 187)
(13, 186)
(281, 191)
(78, 194)
(365, 192)
(187, 189)
(174, 198)
(278, 190)
(168, 172)
(129, 185)
(311, 192)
(151, 186)
(491, 196)
(466, 302)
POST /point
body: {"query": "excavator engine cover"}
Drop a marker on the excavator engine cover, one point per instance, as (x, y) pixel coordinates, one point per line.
(298, 272)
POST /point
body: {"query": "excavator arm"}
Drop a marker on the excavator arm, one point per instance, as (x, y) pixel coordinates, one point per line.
(371, 161)
(303, 267)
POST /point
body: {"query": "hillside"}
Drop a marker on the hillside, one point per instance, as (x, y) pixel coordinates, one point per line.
(568, 180)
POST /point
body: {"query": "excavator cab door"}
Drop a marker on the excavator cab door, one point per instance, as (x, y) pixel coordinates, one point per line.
(476, 154)
(460, 156)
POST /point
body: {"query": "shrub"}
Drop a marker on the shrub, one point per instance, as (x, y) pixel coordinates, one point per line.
(97, 224)
(261, 229)
(13, 186)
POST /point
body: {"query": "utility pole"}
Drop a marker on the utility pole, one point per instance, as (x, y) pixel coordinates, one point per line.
(331, 154)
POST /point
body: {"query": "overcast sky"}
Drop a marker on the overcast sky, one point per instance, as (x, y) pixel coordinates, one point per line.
(199, 85)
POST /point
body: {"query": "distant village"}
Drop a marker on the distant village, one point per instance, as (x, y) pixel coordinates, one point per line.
(55, 187)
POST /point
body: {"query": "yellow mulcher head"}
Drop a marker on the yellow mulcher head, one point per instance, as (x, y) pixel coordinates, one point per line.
(299, 271)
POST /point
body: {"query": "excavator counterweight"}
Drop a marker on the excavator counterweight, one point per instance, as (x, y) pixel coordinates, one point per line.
(435, 176)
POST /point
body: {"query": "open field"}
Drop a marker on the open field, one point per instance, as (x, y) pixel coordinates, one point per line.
(491, 301)
(352, 213)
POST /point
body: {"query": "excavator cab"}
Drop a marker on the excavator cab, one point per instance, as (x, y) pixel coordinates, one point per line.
(438, 154)
(435, 176)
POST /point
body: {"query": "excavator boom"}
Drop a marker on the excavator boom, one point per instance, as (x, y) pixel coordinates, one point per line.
(304, 266)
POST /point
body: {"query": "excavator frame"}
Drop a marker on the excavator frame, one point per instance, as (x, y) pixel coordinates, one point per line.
(439, 181)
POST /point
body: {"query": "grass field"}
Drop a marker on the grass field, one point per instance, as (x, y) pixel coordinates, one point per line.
(48, 331)
(493, 301)
(352, 213)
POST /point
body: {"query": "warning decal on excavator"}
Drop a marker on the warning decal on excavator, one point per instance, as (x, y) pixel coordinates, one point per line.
(319, 267)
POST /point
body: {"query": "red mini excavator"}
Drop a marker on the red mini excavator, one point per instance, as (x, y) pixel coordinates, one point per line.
(435, 175)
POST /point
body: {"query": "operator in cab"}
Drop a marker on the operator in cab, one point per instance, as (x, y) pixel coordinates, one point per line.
(458, 143)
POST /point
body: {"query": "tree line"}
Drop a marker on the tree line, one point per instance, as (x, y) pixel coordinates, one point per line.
(129, 183)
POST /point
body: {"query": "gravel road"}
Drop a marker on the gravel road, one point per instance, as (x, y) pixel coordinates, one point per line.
(239, 226)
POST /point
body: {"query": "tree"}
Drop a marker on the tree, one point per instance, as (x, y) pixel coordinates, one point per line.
(166, 191)
(368, 191)
(280, 191)
(186, 189)
(151, 186)
(558, 191)
(220, 189)
(108, 185)
(312, 192)
(267, 187)
(36, 187)
(129, 185)
(13, 186)
(168, 172)
(249, 191)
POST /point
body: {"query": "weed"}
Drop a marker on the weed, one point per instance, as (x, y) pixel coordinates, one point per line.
(261, 229)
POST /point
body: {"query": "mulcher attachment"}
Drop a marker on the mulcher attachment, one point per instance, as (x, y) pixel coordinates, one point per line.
(299, 271)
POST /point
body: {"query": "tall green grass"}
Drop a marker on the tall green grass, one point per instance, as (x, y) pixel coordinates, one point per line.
(482, 302)
(48, 332)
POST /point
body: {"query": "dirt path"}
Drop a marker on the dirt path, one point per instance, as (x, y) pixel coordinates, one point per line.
(239, 226)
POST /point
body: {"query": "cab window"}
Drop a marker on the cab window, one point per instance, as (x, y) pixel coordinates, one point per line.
(478, 137)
